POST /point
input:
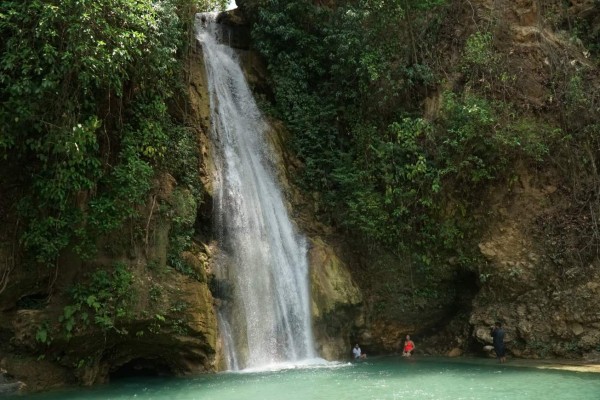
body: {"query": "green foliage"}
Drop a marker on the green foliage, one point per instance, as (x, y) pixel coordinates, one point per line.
(84, 87)
(581, 24)
(43, 335)
(103, 301)
(393, 193)
(333, 68)
(155, 293)
(182, 159)
(469, 150)
(182, 229)
(345, 81)
(479, 53)
(529, 138)
(587, 31)
(485, 68)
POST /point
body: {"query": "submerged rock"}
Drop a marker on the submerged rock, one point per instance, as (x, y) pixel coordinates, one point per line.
(9, 385)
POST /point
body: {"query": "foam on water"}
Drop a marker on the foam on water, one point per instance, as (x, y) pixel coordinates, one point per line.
(311, 363)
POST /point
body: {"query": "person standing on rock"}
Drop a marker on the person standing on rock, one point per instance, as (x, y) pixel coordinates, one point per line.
(497, 334)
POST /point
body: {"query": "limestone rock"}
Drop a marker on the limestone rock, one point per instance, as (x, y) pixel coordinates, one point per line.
(331, 282)
(455, 352)
(39, 374)
(335, 300)
(577, 329)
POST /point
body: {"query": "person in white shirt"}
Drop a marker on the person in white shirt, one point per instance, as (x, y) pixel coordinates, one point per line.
(357, 353)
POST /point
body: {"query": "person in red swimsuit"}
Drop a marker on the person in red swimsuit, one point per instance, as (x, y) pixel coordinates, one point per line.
(409, 347)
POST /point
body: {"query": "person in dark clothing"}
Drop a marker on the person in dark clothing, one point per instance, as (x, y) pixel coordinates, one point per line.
(498, 340)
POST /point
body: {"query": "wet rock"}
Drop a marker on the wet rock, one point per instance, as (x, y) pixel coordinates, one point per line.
(335, 298)
(455, 352)
(331, 282)
(28, 374)
(10, 388)
(577, 329)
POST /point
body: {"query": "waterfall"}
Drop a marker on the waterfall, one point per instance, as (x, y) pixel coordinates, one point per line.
(262, 260)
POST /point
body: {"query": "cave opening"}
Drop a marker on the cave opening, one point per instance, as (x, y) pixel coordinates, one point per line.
(467, 287)
(141, 368)
(454, 318)
(35, 301)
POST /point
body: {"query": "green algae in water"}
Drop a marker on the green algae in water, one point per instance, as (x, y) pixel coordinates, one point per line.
(380, 378)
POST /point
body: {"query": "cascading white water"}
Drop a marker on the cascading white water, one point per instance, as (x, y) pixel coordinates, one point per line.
(262, 257)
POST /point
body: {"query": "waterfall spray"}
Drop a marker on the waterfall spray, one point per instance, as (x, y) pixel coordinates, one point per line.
(262, 257)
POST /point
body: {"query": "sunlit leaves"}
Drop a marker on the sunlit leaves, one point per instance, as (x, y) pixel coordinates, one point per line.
(349, 80)
(83, 92)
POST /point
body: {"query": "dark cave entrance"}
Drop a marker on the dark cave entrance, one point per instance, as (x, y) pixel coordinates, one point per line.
(141, 368)
(467, 286)
(454, 321)
(35, 301)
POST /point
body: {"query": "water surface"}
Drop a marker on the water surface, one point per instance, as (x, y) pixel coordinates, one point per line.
(380, 378)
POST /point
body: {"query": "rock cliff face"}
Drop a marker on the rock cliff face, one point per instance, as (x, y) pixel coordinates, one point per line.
(539, 278)
(156, 320)
(540, 274)
(124, 312)
(549, 305)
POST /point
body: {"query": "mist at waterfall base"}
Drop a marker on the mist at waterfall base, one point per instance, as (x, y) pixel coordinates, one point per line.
(261, 265)
(388, 378)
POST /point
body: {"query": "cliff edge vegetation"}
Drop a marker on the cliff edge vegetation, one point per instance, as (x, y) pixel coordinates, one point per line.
(445, 151)
(454, 144)
(100, 190)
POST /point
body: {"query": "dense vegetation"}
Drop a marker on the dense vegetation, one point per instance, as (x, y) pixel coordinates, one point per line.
(403, 124)
(350, 81)
(85, 91)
